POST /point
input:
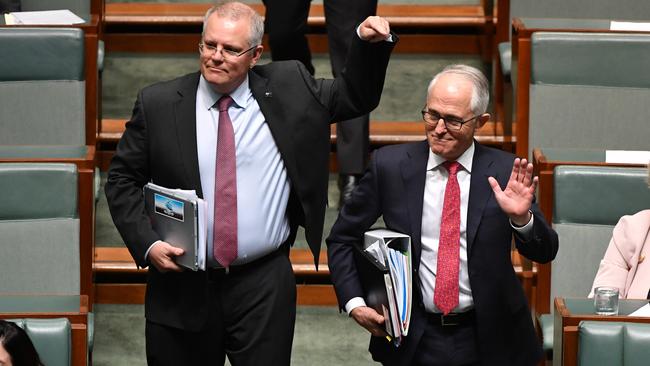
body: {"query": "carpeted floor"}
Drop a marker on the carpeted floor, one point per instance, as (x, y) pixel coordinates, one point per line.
(323, 337)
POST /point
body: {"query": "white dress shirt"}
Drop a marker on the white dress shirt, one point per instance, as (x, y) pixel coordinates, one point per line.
(262, 183)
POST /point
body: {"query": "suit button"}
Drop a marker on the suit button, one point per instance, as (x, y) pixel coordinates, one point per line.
(415, 270)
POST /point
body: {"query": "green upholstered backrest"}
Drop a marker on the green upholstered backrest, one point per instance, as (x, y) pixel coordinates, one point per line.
(39, 229)
(79, 7)
(41, 54)
(595, 59)
(604, 343)
(52, 339)
(589, 90)
(598, 195)
(42, 87)
(587, 203)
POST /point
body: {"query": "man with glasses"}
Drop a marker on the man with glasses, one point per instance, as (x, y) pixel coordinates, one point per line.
(462, 204)
(253, 141)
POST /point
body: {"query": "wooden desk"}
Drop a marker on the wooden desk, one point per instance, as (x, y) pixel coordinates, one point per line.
(570, 312)
(522, 29)
(544, 162)
(73, 307)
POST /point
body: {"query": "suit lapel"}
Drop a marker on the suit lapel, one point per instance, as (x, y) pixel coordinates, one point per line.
(413, 169)
(479, 191)
(185, 121)
(279, 124)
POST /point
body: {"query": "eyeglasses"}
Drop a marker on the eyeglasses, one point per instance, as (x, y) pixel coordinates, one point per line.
(225, 52)
(451, 123)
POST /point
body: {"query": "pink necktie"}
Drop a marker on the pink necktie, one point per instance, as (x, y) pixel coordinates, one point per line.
(225, 189)
(446, 291)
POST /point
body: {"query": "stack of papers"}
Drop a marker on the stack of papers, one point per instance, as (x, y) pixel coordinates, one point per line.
(48, 17)
(627, 156)
(391, 253)
(180, 218)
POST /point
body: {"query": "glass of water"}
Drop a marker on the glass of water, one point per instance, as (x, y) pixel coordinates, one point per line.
(606, 300)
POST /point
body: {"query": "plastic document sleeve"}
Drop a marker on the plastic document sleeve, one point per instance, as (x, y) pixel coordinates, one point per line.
(179, 218)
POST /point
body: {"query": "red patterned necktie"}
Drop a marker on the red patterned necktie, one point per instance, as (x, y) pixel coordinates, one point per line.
(225, 189)
(446, 292)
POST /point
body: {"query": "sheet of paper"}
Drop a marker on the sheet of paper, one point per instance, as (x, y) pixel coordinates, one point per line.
(9, 19)
(630, 26)
(376, 252)
(203, 232)
(57, 17)
(642, 311)
(627, 156)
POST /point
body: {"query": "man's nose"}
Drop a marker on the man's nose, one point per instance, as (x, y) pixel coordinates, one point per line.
(440, 126)
(218, 55)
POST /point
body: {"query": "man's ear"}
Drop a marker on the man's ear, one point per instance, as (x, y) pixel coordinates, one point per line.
(482, 119)
(257, 53)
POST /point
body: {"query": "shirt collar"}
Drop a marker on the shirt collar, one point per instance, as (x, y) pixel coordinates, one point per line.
(208, 96)
(465, 159)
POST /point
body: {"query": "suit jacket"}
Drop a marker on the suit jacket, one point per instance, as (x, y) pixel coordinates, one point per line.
(160, 145)
(626, 264)
(393, 186)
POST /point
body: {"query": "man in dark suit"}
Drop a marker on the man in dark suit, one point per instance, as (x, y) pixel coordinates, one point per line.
(253, 141)
(461, 203)
(286, 25)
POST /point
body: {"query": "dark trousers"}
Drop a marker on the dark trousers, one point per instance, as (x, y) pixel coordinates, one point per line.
(447, 346)
(252, 322)
(437, 346)
(286, 25)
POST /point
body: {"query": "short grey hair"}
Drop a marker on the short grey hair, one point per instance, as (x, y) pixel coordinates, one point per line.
(235, 10)
(480, 85)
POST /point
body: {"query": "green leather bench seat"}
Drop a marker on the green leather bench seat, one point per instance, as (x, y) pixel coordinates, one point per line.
(597, 10)
(39, 228)
(604, 343)
(52, 339)
(588, 202)
(589, 90)
(42, 87)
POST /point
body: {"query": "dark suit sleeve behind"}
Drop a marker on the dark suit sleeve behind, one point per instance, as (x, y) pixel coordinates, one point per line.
(127, 175)
(354, 220)
(357, 90)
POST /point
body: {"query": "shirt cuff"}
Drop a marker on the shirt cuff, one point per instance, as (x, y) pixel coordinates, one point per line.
(146, 254)
(389, 38)
(526, 231)
(354, 303)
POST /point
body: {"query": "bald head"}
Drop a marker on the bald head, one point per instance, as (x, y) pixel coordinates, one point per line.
(480, 93)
